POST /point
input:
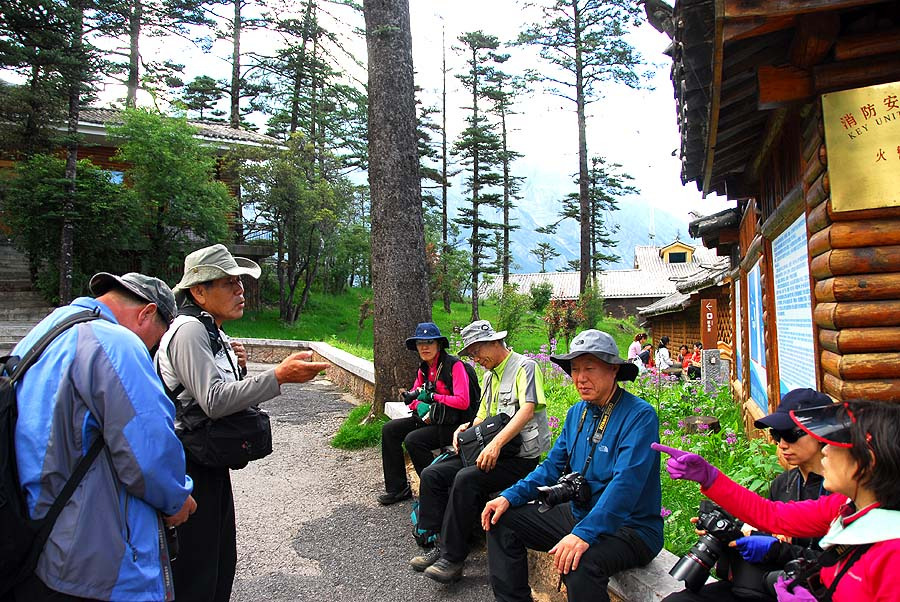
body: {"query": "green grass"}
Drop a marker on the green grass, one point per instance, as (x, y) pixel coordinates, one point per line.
(333, 319)
(353, 435)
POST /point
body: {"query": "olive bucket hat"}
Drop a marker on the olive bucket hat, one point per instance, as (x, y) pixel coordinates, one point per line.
(600, 345)
(211, 263)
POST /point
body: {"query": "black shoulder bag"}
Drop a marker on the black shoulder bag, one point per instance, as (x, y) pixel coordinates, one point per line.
(232, 441)
(475, 438)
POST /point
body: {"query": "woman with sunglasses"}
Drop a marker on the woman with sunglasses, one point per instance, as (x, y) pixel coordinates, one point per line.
(859, 524)
(742, 571)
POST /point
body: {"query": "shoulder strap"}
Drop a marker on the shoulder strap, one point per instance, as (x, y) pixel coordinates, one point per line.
(446, 374)
(19, 368)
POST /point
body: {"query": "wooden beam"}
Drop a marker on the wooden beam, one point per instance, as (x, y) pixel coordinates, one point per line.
(715, 95)
(815, 36)
(744, 9)
(779, 86)
(754, 27)
(867, 44)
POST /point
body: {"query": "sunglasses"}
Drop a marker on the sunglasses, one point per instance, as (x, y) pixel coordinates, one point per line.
(790, 436)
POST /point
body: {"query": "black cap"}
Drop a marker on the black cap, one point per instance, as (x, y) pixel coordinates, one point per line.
(798, 399)
(829, 423)
(151, 290)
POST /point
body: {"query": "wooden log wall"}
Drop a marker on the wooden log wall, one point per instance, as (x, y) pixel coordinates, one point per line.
(855, 269)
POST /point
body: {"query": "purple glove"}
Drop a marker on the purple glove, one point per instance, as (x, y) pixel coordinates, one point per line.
(685, 465)
(753, 548)
(798, 595)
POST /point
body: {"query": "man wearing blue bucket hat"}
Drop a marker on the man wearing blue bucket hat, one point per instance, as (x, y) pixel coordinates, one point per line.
(439, 400)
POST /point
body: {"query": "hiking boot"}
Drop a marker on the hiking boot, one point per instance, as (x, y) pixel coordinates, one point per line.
(444, 571)
(386, 499)
(423, 561)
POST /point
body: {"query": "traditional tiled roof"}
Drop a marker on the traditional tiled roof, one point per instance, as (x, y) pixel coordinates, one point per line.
(210, 130)
(705, 277)
(674, 302)
(651, 278)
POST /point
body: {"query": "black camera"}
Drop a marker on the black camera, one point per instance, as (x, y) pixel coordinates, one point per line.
(570, 487)
(721, 528)
(409, 396)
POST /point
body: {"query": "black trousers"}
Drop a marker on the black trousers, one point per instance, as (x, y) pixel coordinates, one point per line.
(419, 439)
(451, 498)
(524, 527)
(34, 590)
(207, 542)
(720, 591)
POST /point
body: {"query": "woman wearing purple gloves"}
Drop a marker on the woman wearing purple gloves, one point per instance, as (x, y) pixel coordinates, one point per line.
(859, 524)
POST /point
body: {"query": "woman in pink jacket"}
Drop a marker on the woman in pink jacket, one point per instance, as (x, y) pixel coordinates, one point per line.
(859, 524)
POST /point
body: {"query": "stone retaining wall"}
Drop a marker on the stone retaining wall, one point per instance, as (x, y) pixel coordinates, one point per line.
(647, 584)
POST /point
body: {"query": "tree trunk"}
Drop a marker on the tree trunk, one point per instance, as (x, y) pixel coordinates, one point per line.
(300, 68)
(445, 247)
(134, 54)
(67, 235)
(476, 190)
(506, 195)
(235, 114)
(399, 279)
(583, 196)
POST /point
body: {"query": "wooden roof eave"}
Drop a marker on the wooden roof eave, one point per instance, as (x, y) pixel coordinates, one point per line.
(715, 94)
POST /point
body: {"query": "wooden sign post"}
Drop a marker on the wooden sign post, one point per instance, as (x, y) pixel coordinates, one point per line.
(708, 326)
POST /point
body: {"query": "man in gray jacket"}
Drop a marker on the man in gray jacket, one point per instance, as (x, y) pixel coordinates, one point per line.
(204, 370)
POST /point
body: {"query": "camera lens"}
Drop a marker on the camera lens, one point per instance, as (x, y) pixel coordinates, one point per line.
(693, 568)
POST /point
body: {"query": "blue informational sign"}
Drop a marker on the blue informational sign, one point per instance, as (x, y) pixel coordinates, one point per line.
(738, 324)
(756, 334)
(793, 309)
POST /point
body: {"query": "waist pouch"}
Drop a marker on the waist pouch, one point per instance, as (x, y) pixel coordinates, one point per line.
(476, 438)
(228, 442)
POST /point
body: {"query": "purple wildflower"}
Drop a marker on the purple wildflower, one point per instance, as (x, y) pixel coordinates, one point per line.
(664, 512)
(667, 432)
(698, 410)
(731, 439)
(553, 421)
(702, 426)
(681, 424)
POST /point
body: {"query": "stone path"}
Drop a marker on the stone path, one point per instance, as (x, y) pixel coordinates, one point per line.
(309, 527)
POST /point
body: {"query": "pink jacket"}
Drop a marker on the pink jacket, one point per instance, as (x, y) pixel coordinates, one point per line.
(460, 397)
(875, 577)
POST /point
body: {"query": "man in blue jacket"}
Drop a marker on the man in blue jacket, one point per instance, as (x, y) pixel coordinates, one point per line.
(97, 380)
(612, 519)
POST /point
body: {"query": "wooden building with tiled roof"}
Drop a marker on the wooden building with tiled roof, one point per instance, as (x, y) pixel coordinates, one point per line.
(791, 110)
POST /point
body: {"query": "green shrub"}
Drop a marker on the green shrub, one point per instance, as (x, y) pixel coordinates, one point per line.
(540, 296)
(513, 308)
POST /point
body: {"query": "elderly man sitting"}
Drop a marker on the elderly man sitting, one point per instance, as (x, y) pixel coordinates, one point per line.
(611, 519)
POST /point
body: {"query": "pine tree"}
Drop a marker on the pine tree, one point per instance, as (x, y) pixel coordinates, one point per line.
(585, 39)
(544, 253)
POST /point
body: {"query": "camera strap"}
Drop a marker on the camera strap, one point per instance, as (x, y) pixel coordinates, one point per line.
(606, 412)
(810, 577)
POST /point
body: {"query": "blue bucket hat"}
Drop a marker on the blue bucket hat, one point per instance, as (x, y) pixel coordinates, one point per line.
(427, 331)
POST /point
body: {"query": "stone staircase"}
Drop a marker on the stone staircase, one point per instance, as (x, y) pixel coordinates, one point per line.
(21, 307)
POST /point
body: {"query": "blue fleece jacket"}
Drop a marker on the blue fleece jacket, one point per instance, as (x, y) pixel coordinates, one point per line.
(623, 475)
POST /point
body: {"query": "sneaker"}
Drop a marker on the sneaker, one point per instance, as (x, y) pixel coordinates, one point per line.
(423, 561)
(386, 499)
(444, 571)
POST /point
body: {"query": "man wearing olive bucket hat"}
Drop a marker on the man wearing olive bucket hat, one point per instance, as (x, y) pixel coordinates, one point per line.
(205, 375)
(598, 490)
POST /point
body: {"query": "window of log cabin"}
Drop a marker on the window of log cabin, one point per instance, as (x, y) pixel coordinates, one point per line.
(678, 257)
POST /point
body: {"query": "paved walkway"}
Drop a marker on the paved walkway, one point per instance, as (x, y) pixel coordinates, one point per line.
(309, 527)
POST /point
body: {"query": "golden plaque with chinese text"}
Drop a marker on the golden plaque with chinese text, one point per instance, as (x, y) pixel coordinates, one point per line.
(862, 136)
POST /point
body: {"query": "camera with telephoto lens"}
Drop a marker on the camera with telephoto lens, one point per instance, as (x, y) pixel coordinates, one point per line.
(570, 487)
(721, 528)
(409, 396)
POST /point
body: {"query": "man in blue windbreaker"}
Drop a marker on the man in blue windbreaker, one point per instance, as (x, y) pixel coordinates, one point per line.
(97, 380)
(602, 520)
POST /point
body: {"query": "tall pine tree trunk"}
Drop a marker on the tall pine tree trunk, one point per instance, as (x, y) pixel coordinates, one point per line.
(506, 194)
(75, 71)
(445, 247)
(235, 113)
(584, 201)
(134, 54)
(399, 279)
(476, 190)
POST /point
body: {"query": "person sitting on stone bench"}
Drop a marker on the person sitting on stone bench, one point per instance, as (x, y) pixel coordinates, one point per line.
(440, 393)
(601, 514)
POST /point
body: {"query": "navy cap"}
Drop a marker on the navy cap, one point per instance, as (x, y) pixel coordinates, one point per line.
(426, 331)
(798, 399)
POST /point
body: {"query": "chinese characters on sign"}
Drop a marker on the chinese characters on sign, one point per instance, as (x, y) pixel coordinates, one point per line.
(708, 326)
(862, 136)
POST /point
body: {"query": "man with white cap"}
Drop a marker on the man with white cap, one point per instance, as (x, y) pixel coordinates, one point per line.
(94, 386)
(451, 496)
(204, 372)
(603, 467)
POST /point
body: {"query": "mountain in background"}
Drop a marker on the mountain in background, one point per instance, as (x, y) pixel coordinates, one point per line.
(540, 206)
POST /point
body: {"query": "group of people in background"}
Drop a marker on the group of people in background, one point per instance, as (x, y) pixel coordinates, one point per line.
(640, 352)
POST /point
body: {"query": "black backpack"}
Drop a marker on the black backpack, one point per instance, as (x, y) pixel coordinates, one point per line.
(21, 538)
(453, 415)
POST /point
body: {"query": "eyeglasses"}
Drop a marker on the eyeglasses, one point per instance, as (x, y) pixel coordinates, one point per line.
(232, 282)
(790, 436)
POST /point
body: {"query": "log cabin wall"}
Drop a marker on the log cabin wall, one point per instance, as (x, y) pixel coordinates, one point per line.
(855, 270)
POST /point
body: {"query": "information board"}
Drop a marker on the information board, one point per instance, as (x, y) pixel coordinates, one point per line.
(738, 324)
(793, 309)
(756, 335)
